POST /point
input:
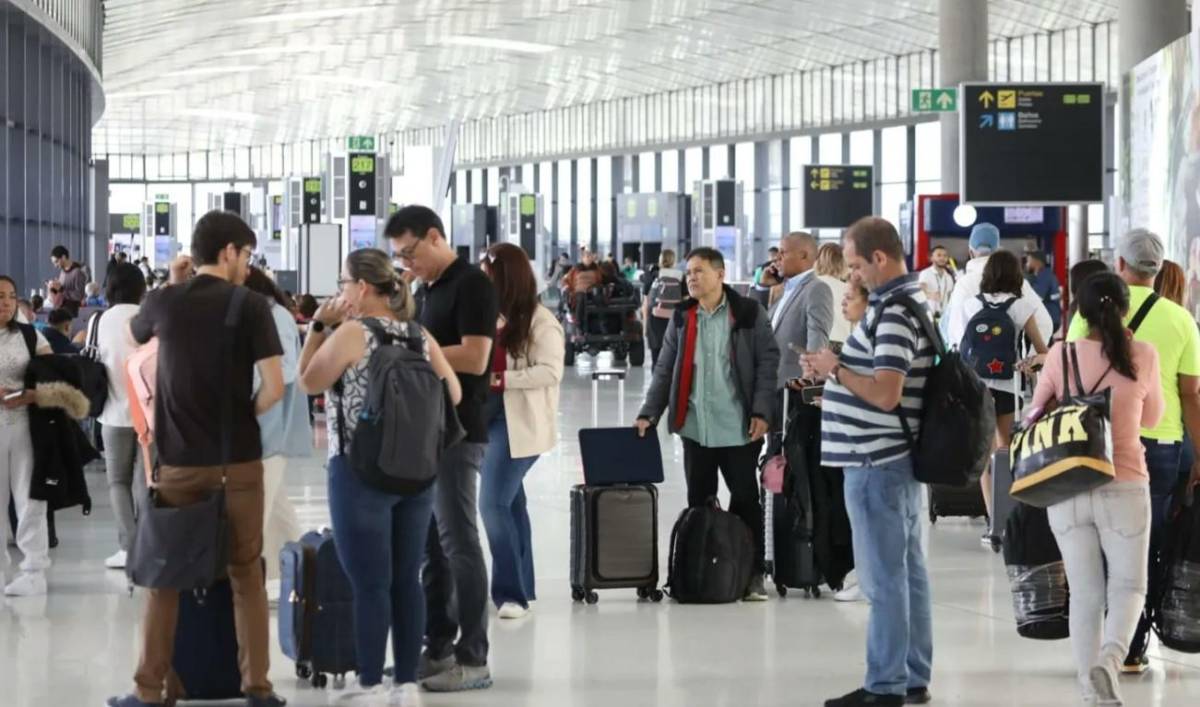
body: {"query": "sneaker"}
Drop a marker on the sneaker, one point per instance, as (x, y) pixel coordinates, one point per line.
(512, 610)
(757, 590)
(918, 696)
(406, 695)
(850, 594)
(130, 701)
(428, 667)
(460, 678)
(1103, 679)
(27, 584)
(373, 696)
(271, 700)
(116, 561)
(862, 697)
(986, 540)
(1136, 666)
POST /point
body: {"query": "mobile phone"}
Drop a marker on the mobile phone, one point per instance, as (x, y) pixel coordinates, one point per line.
(809, 394)
(13, 395)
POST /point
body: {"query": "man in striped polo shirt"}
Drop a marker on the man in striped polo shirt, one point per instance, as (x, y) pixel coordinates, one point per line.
(883, 365)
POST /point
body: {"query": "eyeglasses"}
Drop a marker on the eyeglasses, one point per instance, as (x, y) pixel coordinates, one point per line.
(409, 252)
(342, 283)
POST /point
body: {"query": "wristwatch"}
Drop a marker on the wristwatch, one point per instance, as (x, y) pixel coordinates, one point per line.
(318, 327)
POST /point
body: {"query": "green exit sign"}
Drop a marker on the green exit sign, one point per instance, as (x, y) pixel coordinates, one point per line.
(360, 143)
(934, 100)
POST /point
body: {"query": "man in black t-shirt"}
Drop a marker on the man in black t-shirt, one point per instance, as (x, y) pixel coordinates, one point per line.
(459, 310)
(204, 378)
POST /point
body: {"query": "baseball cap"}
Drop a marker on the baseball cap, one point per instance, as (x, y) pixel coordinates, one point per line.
(985, 238)
(1142, 251)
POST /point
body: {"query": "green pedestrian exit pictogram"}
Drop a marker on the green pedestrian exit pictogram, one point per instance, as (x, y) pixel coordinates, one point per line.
(934, 100)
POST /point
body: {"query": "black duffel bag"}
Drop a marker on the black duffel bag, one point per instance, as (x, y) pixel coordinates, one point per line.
(1036, 575)
(1175, 599)
(712, 556)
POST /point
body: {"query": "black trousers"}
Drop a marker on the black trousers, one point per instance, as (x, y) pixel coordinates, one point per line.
(738, 466)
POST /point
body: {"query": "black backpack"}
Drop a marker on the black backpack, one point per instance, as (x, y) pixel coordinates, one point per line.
(989, 343)
(958, 417)
(1175, 592)
(407, 418)
(1036, 575)
(712, 556)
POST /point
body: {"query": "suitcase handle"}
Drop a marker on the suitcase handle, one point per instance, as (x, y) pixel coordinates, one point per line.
(608, 374)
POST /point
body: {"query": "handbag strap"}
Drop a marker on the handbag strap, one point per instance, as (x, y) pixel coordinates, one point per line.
(232, 317)
(1142, 312)
(92, 347)
(1079, 379)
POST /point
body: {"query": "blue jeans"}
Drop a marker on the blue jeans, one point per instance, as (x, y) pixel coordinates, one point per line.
(381, 542)
(506, 518)
(884, 504)
(1163, 461)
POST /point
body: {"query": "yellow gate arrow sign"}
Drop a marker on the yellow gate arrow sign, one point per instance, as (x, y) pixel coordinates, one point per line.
(986, 99)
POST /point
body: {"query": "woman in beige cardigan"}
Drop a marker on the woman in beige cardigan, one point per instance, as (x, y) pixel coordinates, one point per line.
(527, 368)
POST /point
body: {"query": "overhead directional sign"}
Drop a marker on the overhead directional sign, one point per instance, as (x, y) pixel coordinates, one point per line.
(836, 196)
(1037, 144)
(360, 143)
(934, 100)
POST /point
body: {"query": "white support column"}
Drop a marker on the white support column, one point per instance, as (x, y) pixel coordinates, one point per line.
(962, 56)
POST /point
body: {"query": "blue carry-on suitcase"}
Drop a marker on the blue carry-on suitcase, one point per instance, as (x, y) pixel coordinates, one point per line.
(316, 609)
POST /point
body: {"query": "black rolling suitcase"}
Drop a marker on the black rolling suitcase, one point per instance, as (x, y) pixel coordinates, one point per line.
(614, 514)
(954, 501)
(614, 540)
(790, 550)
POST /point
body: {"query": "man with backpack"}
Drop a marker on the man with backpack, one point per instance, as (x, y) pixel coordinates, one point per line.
(883, 366)
(720, 361)
(459, 309)
(207, 437)
(1172, 331)
(985, 240)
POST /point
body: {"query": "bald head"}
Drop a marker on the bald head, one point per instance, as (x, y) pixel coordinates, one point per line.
(797, 253)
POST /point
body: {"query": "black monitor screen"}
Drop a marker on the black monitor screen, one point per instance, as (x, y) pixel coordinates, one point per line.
(836, 196)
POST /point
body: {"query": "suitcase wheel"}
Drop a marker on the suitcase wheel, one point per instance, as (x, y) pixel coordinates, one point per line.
(656, 596)
(592, 597)
(813, 592)
(577, 594)
(303, 671)
(781, 590)
(319, 680)
(651, 593)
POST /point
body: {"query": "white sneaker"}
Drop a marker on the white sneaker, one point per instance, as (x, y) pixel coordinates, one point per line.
(512, 610)
(849, 594)
(27, 584)
(1103, 677)
(374, 696)
(406, 695)
(116, 561)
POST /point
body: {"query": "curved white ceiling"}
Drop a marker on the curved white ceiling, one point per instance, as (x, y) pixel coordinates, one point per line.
(187, 75)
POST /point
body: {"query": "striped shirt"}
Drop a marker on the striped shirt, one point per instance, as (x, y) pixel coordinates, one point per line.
(854, 432)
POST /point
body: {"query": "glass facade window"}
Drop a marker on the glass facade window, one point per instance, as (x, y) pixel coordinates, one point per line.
(894, 149)
(928, 152)
(583, 201)
(800, 155)
(693, 167)
(718, 161)
(670, 171)
(645, 172)
(830, 149)
(862, 147)
(566, 206)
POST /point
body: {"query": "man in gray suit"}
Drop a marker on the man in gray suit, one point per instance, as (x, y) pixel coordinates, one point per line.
(803, 316)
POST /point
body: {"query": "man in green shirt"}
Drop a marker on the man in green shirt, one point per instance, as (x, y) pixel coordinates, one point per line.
(1172, 332)
(716, 374)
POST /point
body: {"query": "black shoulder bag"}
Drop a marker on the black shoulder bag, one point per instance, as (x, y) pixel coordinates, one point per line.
(187, 547)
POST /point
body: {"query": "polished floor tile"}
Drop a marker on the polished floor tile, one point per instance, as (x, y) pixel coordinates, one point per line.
(78, 645)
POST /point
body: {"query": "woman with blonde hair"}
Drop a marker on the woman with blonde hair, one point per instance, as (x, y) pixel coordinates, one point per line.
(380, 535)
(831, 269)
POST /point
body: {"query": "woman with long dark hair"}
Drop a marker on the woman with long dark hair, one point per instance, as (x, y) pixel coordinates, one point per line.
(527, 368)
(1104, 535)
(1002, 284)
(19, 343)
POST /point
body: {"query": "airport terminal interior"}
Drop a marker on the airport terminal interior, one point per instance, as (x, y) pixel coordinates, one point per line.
(624, 133)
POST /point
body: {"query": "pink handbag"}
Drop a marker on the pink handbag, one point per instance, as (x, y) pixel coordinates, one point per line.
(773, 473)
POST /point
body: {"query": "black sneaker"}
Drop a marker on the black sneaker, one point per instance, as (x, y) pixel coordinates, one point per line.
(1135, 665)
(918, 696)
(271, 700)
(862, 697)
(130, 701)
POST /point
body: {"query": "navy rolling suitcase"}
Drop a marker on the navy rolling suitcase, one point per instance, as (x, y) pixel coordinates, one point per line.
(316, 609)
(205, 663)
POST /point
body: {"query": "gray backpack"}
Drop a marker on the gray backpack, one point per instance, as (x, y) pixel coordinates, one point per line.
(407, 418)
